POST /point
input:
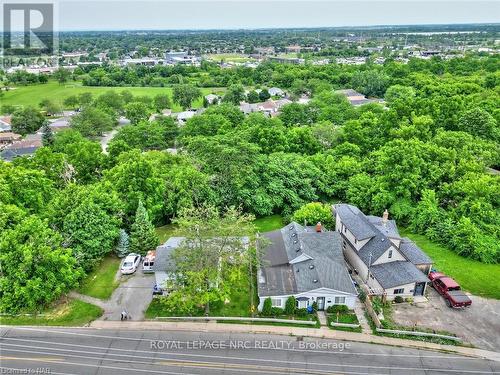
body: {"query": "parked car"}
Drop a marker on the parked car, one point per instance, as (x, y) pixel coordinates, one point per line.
(451, 292)
(435, 275)
(149, 261)
(130, 264)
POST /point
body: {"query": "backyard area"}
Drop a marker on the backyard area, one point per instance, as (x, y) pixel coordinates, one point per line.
(67, 313)
(475, 277)
(32, 95)
(101, 282)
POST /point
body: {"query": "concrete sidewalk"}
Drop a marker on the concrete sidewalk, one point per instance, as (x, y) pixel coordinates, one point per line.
(323, 333)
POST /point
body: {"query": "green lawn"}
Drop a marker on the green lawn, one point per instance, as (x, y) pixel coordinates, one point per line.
(101, 283)
(238, 305)
(71, 313)
(269, 223)
(348, 317)
(478, 278)
(165, 232)
(33, 94)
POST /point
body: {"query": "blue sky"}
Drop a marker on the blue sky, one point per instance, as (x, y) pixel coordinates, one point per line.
(235, 14)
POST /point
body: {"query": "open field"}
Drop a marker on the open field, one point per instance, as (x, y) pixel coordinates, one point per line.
(32, 95)
(101, 283)
(475, 277)
(70, 313)
(233, 57)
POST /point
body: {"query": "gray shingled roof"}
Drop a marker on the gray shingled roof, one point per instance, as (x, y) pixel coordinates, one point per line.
(355, 221)
(163, 259)
(326, 268)
(413, 253)
(397, 273)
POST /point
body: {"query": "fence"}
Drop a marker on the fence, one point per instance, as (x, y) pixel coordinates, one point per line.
(237, 319)
(349, 325)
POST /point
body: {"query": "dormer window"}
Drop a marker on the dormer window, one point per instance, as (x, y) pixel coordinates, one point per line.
(390, 254)
(355, 241)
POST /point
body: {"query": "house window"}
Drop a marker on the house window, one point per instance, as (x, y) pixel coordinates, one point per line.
(276, 302)
(399, 291)
(390, 254)
(302, 304)
(340, 300)
(345, 229)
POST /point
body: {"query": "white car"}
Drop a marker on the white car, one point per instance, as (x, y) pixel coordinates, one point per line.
(130, 264)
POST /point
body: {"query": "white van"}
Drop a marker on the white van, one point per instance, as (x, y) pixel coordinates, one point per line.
(149, 261)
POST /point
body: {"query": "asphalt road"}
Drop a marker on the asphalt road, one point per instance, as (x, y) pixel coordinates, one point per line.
(89, 351)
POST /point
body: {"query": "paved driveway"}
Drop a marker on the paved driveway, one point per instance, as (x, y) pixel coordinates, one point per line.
(134, 293)
(478, 324)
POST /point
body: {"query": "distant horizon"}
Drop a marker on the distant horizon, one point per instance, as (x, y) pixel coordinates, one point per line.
(381, 26)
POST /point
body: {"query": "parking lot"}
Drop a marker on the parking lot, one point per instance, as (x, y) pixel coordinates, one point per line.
(478, 324)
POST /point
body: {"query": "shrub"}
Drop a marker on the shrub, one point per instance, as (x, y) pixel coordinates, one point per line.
(377, 305)
(301, 312)
(409, 299)
(362, 296)
(268, 307)
(276, 311)
(290, 305)
(315, 306)
(398, 299)
(337, 308)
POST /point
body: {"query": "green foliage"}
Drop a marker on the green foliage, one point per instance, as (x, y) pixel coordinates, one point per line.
(27, 120)
(267, 307)
(36, 269)
(362, 296)
(480, 123)
(234, 94)
(47, 135)
(370, 82)
(184, 95)
(377, 304)
(398, 299)
(313, 213)
(92, 122)
(209, 260)
(337, 308)
(142, 233)
(161, 102)
(156, 135)
(290, 305)
(136, 112)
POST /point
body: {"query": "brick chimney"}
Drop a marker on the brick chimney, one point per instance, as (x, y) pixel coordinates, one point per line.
(385, 217)
(318, 227)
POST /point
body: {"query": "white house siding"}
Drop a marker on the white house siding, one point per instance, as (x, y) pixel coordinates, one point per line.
(312, 295)
(408, 291)
(384, 258)
(339, 227)
(355, 261)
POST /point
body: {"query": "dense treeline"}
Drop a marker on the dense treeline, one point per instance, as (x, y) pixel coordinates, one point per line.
(424, 156)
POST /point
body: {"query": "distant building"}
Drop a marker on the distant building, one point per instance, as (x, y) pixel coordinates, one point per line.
(287, 60)
(25, 147)
(276, 91)
(8, 138)
(5, 124)
(356, 98)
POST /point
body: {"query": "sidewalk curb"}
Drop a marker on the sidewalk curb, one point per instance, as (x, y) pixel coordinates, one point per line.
(322, 333)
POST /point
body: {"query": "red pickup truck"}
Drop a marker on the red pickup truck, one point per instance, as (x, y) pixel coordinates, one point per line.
(450, 290)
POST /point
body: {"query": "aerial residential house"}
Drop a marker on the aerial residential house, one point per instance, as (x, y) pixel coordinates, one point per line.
(269, 107)
(389, 264)
(307, 263)
(164, 267)
(24, 147)
(276, 91)
(5, 123)
(8, 138)
(356, 98)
